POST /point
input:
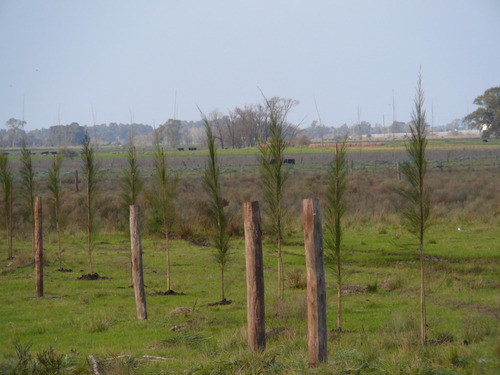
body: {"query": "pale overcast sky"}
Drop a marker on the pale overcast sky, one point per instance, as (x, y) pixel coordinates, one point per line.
(122, 59)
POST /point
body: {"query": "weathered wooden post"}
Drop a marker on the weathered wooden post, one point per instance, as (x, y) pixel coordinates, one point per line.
(398, 171)
(255, 277)
(316, 288)
(39, 248)
(136, 255)
(76, 180)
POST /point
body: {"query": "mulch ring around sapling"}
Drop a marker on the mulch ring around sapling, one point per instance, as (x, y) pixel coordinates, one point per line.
(169, 292)
(221, 303)
(93, 276)
(64, 270)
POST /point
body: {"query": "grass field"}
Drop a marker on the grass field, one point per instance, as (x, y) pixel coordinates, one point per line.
(183, 334)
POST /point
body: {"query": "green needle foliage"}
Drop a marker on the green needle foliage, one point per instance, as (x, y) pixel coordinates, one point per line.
(216, 212)
(162, 196)
(6, 178)
(274, 176)
(91, 177)
(54, 186)
(416, 194)
(336, 206)
(131, 182)
(27, 174)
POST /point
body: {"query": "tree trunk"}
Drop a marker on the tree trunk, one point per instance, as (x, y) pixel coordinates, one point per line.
(39, 248)
(167, 247)
(136, 257)
(423, 323)
(89, 231)
(11, 207)
(316, 288)
(222, 283)
(255, 277)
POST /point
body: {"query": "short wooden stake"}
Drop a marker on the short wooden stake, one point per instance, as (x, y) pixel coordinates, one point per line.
(255, 277)
(39, 248)
(136, 255)
(76, 180)
(316, 289)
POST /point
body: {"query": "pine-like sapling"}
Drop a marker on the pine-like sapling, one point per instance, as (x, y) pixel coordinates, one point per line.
(336, 206)
(131, 183)
(27, 174)
(55, 188)
(91, 177)
(216, 213)
(274, 175)
(6, 178)
(416, 210)
(162, 196)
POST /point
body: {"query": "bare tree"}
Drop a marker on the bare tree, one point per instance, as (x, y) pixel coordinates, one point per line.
(14, 126)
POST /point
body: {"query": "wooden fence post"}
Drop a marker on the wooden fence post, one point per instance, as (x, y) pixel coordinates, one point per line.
(39, 248)
(76, 180)
(136, 255)
(398, 171)
(316, 288)
(255, 277)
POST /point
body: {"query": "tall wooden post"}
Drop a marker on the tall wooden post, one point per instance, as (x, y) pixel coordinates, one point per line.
(398, 171)
(255, 277)
(39, 248)
(316, 288)
(76, 180)
(136, 255)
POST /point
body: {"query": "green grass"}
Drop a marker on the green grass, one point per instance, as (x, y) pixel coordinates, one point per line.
(78, 318)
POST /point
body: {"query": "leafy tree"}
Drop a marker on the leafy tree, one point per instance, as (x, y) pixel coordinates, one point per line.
(336, 207)
(54, 186)
(6, 178)
(487, 117)
(216, 212)
(27, 174)
(91, 177)
(161, 197)
(416, 211)
(274, 175)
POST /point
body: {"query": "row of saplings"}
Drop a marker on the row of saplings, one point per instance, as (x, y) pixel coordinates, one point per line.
(273, 180)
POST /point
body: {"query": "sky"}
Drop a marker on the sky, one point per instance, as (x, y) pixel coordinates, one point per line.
(94, 61)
